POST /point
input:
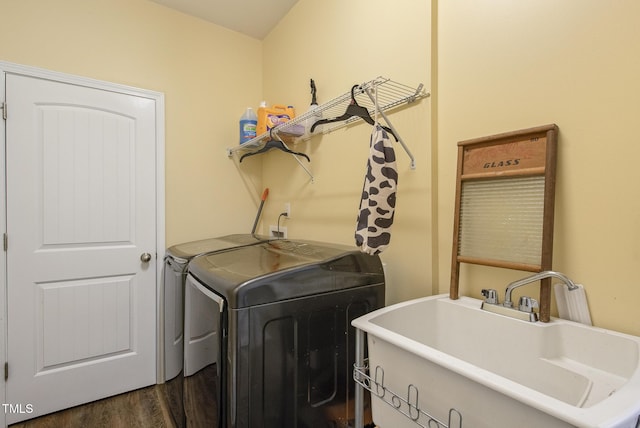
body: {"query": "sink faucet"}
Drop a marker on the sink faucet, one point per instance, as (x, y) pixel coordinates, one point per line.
(536, 277)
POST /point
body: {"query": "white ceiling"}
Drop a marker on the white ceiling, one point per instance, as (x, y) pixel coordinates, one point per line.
(254, 18)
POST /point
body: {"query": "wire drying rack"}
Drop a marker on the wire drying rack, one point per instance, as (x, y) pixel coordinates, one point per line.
(390, 94)
(378, 96)
(407, 405)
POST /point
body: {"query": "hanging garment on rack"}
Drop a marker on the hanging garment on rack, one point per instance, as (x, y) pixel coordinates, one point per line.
(373, 228)
(275, 144)
(353, 110)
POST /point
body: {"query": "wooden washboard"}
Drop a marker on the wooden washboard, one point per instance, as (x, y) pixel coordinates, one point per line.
(504, 209)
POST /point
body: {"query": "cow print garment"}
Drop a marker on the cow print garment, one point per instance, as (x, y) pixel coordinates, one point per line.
(373, 229)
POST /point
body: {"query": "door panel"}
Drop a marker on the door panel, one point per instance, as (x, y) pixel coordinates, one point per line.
(81, 209)
(88, 156)
(82, 320)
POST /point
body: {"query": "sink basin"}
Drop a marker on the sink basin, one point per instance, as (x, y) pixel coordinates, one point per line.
(495, 370)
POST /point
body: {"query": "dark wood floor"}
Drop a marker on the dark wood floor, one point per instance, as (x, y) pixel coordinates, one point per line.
(179, 403)
(160, 406)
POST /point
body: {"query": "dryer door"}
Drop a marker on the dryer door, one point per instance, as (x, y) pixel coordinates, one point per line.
(201, 326)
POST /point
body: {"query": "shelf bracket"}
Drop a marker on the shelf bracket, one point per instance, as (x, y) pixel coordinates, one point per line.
(390, 125)
(416, 94)
(275, 134)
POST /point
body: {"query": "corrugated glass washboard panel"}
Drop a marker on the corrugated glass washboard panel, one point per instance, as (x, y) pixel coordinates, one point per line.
(501, 219)
(505, 191)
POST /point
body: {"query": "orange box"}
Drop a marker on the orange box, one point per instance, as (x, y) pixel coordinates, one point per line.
(270, 117)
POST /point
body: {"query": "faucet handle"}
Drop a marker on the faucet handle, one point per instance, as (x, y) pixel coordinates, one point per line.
(526, 304)
(490, 296)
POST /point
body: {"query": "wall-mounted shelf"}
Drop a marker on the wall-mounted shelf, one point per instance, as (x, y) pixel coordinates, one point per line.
(381, 92)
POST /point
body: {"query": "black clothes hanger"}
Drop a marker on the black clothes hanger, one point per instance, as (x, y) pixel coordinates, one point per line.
(353, 110)
(275, 144)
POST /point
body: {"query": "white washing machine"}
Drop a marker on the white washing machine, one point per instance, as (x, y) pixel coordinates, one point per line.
(187, 325)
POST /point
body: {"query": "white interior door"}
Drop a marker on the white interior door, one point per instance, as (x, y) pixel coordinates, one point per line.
(81, 215)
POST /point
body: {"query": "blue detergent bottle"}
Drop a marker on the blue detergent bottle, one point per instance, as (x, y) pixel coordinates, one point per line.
(248, 124)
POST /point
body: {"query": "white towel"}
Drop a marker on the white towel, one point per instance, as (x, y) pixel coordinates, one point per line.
(373, 228)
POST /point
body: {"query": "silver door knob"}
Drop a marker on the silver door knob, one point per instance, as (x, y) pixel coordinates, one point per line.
(145, 257)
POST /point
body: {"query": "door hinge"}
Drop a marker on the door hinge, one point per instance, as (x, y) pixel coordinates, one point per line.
(6, 370)
(3, 106)
(5, 241)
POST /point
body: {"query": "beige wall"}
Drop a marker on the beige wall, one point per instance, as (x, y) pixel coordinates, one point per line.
(496, 67)
(339, 44)
(491, 67)
(208, 74)
(507, 65)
